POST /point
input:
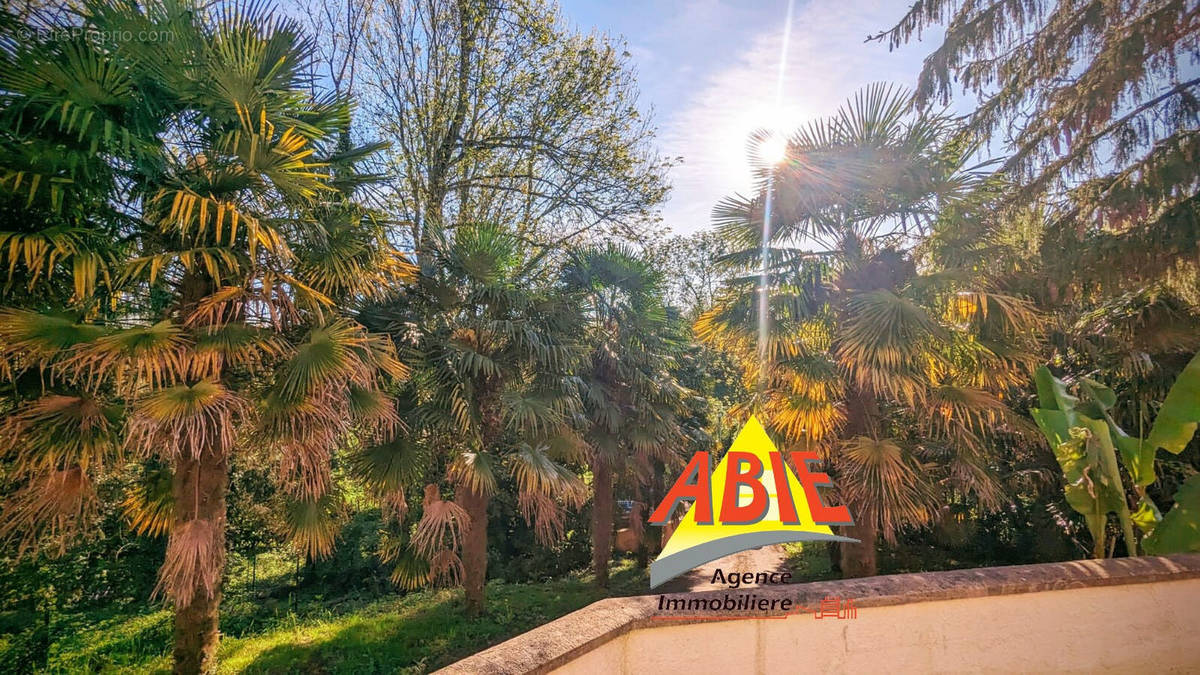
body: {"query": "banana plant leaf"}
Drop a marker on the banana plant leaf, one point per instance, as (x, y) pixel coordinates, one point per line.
(1087, 454)
(1180, 412)
(1147, 516)
(1179, 531)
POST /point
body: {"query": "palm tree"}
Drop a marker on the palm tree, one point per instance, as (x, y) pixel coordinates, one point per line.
(489, 341)
(192, 191)
(630, 398)
(893, 365)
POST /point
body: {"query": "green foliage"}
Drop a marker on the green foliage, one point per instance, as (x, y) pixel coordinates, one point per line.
(891, 362)
(1098, 105)
(1179, 414)
(1087, 442)
(1179, 531)
(326, 631)
(501, 112)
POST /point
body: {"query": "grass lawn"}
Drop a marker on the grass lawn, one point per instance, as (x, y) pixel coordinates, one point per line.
(356, 633)
(415, 632)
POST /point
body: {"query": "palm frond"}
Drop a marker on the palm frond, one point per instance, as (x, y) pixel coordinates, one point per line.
(149, 506)
(50, 508)
(57, 432)
(186, 421)
(193, 563)
(131, 358)
(390, 466)
(475, 471)
(314, 524)
(885, 484)
(441, 526)
(31, 338)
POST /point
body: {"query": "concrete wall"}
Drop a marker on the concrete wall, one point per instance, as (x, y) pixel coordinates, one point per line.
(1125, 615)
(1122, 629)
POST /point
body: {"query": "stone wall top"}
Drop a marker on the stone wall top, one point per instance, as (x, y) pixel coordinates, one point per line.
(565, 639)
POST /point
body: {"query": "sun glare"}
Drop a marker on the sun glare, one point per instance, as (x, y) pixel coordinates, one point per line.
(773, 148)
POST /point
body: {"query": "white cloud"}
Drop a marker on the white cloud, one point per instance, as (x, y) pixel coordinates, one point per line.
(826, 62)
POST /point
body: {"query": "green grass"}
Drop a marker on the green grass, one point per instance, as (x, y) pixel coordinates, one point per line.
(402, 633)
(809, 561)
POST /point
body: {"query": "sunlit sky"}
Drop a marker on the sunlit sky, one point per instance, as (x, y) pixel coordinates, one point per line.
(708, 68)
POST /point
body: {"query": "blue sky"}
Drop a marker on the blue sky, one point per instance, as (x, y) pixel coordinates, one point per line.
(709, 69)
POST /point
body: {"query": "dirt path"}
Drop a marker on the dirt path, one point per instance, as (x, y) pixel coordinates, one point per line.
(765, 559)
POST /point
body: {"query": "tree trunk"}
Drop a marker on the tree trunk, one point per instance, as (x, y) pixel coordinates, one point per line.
(859, 560)
(602, 520)
(199, 490)
(474, 547)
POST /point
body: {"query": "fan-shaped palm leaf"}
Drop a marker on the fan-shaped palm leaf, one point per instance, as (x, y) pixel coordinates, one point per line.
(314, 524)
(885, 484)
(57, 432)
(186, 421)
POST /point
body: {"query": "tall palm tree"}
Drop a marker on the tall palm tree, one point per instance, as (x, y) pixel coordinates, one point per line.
(192, 191)
(490, 342)
(630, 399)
(895, 367)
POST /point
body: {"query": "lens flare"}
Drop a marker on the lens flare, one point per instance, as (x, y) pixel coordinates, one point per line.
(773, 149)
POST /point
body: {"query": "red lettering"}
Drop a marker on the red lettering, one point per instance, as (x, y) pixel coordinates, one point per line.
(810, 481)
(700, 491)
(783, 491)
(731, 512)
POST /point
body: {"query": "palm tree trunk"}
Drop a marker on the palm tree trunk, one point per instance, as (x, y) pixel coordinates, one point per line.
(199, 490)
(602, 520)
(474, 547)
(859, 560)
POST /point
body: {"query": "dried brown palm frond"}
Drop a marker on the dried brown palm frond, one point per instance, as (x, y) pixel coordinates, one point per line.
(304, 470)
(545, 514)
(186, 421)
(193, 564)
(56, 432)
(445, 568)
(637, 520)
(50, 507)
(305, 432)
(441, 526)
(885, 484)
(152, 356)
(393, 506)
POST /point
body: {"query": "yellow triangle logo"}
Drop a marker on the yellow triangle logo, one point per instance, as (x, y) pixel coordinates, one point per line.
(693, 543)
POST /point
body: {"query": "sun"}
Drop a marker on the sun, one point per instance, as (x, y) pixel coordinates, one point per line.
(773, 148)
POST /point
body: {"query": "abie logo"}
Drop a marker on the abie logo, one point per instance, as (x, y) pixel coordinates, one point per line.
(756, 492)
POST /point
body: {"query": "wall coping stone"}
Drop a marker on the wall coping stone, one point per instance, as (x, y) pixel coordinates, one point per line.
(567, 638)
